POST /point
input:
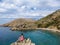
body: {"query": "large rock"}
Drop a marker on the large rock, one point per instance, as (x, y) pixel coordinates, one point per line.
(25, 42)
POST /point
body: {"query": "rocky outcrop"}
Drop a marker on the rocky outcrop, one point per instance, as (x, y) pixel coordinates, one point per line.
(25, 42)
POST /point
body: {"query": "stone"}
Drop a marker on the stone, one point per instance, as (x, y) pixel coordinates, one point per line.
(25, 42)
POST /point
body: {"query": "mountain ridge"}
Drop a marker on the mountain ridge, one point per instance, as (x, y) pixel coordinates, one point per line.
(22, 23)
(52, 21)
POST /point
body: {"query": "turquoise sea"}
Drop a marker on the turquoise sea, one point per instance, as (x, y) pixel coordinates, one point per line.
(38, 37)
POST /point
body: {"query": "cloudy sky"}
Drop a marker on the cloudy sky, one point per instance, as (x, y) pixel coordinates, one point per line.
(27, 8)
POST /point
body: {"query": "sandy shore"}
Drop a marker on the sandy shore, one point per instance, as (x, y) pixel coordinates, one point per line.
(53, 30)
(44, 29)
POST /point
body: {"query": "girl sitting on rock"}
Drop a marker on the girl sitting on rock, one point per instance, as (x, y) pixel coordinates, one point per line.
(21, 38)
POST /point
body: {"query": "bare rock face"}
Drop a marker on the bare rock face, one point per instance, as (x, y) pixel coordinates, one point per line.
(25, 42)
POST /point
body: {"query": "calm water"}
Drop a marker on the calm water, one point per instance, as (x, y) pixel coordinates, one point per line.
(38, 37)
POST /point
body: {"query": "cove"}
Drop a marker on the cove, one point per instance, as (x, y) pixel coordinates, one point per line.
(38, 37)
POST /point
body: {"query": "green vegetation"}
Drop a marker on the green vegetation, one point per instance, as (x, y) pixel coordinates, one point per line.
(50, 21)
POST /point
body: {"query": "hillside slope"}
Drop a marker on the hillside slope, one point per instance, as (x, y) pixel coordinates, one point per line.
(51, 21)
(22, 23)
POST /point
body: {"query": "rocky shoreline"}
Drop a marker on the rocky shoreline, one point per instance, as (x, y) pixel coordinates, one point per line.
(24, 29)
(45, 29)
(53, 30)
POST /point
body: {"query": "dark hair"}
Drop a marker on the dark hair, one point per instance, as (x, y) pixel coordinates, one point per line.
(21, 33)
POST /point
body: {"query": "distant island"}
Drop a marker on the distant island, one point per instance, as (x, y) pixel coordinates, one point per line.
(52, 21)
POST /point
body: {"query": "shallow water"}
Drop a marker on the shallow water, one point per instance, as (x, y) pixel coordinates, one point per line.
(38, 37)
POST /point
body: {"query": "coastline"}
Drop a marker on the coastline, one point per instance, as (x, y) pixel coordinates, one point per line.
(24, 29)
(44, 29)
(52, 31)
(47, 29)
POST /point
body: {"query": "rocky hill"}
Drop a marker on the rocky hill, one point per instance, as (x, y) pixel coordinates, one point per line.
(22, 23)
(51, 21)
